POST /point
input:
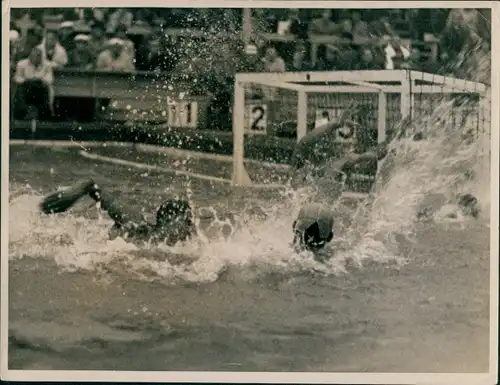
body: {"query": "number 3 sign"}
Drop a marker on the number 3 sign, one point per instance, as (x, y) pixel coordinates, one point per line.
(256, 118)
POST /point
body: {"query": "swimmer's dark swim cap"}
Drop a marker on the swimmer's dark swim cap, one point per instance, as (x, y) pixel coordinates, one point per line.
(313, 228)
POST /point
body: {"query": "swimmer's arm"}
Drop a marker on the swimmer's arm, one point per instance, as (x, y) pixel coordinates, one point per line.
(376, 154)
(122, 215)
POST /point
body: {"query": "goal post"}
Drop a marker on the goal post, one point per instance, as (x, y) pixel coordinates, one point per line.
(263, 102)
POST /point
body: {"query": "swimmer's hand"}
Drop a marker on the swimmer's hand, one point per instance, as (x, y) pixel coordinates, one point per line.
(94, 192)
(62, 200)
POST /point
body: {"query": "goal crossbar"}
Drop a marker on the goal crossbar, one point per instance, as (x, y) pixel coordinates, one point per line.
(366, 79)
(362, 86)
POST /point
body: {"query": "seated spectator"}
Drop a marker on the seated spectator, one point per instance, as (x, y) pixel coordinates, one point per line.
(360, 29)
(414, 61)
(53, 51)
(328, 58)
(366, 60)
(22, 21)
(120, 16)
(14, 45)
(348, 57)
(34, 79)
(81, 56)
(299, 25)
(66, 35)
(94, 15)
(345, 29)
(128, 45)
(113, 59)
(155, 56)
(395, 53)
(293, 25)
(97, 40)
(324, 25)
(272, 62)
(300, 61)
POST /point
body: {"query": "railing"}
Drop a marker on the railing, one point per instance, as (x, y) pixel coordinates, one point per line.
(145, 96)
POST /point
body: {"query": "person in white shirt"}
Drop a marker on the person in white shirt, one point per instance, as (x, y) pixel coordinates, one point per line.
(52, 51)
(128, 45)
(394, 52)
(114, 59)
(272, 61)
(34, 79)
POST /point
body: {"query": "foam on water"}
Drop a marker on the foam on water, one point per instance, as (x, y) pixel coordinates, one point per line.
(413, 172)
(443, 164)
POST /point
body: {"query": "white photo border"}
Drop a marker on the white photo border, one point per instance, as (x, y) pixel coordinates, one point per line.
(255, 377)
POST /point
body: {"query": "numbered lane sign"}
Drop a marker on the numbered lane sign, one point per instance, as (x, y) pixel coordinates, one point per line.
(183, 114)
(256, 117)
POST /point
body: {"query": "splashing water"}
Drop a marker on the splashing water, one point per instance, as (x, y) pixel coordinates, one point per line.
(436, 168)
(413, 172)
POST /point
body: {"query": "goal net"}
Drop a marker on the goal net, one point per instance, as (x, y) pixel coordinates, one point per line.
(292, 104)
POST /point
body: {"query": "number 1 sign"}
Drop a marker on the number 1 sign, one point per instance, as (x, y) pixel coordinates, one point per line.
(256, 118)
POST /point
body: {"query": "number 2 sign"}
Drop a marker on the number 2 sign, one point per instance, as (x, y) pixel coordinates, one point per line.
(256, 118)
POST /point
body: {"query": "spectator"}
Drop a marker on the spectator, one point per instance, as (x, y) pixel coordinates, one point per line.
(414, 60)
(128, 45)
(272, 62)
(34, 79)
(345, 29)
(53, 51)
(14, 40)
(293, 25)
(23, 21)
(158, 28)
(299, 26)
(460, 33)
(81, 56)
(32, 39)
(97, 40)
(154, 56)
(360, 30)
(367, 60)
(94, 15)
(328, 58)
(121, 16)
(66, 35)
(324, 25)
(113, 58)
(395, 52)
(299, 60)
(346, 56)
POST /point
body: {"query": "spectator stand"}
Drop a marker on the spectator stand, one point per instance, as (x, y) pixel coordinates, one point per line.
(146, 98)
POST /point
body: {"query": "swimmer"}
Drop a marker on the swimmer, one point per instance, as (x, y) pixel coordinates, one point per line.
(174, 218)
(313, 227)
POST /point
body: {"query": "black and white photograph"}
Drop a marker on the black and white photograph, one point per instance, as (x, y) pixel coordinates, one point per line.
(292, 192)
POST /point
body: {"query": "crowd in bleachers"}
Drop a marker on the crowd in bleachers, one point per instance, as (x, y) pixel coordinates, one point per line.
(104, 39)
(210, 45)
